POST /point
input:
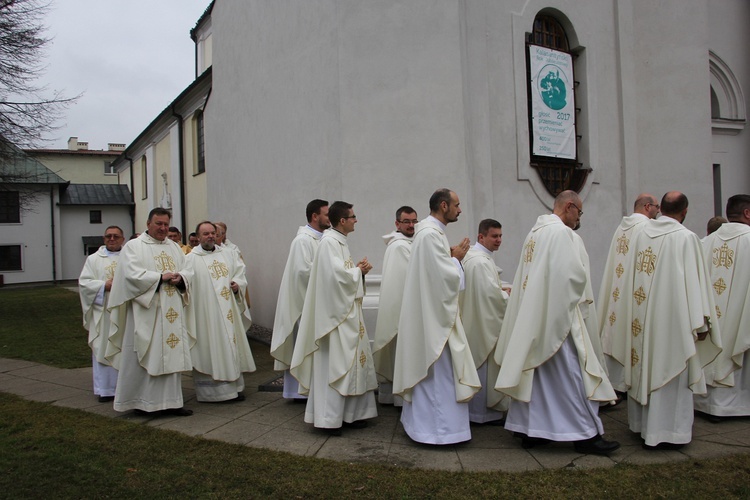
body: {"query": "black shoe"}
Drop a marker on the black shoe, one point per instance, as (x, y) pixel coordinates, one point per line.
(332, 431)
(143, 413)
(106, 399)
(300, 401)
(530, 442)
(596, 446)
(177, 412)
(357, 424)
(663, 446)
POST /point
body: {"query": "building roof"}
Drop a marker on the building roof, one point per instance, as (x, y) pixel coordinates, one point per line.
(84, 152)
(96, 194)
(203, 17)
(19, 168)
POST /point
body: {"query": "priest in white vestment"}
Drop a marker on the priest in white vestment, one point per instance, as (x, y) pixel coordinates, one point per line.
(482, 304)
(148, 336)
(670, 330)
(292, 293)
(618, 271)
(434, 372)
(223, 241)
(218, 318)
(549, 353)
(727, 255)
(94, 285)
(395, 263)
(332, 360)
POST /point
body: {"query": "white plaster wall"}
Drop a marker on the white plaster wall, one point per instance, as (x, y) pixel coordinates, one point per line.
(74, 224)
(34, 233)
(380, 103)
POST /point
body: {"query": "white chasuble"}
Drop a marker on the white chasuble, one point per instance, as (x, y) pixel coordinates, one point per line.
(161, 340)
(551, 300)
(668, 304)
(333, 311)
(292, 295)
(482, 304)
(98, 268)
(727, 256)
(429, 320)
(617, 272)
(218, 317)
(395, 264)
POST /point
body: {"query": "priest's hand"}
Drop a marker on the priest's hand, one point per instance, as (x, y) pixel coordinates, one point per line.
(234, 286)
(364, 266)
(108, 285)
(459, 251)
(702, 336)
(167, 276)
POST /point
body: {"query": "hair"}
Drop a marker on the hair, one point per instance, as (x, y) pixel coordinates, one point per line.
(714, 223)
(487, 224)
(439, 196)
(198, 227)
(736, 205)
(192, 234)
(223, 226)
(314, 208)
(173, 229)
(405, 209)
(642, 201)
(673, 203)
(122, 233)
(158, 211)
(337, 211)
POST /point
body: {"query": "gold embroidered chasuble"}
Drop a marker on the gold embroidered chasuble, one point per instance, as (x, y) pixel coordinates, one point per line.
(292, 295)
(429, 320)
(162, 341)
(217, 317)
(665, 306)
(727, 256)
(395, 265)
(333, 309)
(617, 272)
(551, 299)
(97, 269)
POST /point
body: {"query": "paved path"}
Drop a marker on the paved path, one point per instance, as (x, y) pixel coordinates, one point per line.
(265, 420)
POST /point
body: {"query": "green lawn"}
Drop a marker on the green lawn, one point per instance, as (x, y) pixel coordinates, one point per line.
(43, 324)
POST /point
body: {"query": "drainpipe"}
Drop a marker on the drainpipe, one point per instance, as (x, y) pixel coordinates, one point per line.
(181, 161)
(52, 228)
(132, 196)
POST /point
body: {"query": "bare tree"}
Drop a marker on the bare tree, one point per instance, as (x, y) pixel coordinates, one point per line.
(27, 112)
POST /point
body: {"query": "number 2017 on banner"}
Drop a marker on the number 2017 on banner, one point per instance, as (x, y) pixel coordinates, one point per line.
(563, 116)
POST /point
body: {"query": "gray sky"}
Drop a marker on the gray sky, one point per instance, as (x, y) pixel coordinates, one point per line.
(129, 58)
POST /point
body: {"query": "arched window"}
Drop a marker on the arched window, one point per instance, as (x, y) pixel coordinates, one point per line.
(552, 107)
(727, 101)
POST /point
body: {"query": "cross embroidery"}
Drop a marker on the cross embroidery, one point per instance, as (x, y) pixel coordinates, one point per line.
(218, 270)
(349, 263)
(622, 245)
(612, 318)
(718, 312)
(616, 294)
(528, 251)
(720, 286)
(636, 328)
(646, 262)
(109, 270)
(639, 295)
(172, 341)
(524, 281)
(361, 330)
(169, 290)
(230, 316)
(225, 293)
(723, 256)
(619, 270)
(634, 359)
(172, 315)
(164, 262)
(362, 358)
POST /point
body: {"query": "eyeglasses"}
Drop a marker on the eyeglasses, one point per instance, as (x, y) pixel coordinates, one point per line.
(580, 211)
(350, 217)
(407, 221)
(658, 207)
(112, 236)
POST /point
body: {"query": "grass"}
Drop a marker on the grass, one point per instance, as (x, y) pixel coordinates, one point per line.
(61, 452)
(48, 451)
(43, 324)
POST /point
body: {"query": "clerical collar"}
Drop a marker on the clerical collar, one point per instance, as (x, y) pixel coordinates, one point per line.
(440, 224)
(481, 248)
(342, 234)
(319, 234)
(669, 218)
(109, 253)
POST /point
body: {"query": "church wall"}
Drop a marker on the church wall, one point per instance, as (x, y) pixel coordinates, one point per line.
(195, 184)
(380, 103)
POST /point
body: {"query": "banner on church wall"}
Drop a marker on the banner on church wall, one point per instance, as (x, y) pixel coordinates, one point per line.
(552, 103)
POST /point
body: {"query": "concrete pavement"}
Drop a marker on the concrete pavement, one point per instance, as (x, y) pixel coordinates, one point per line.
(266, 420)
